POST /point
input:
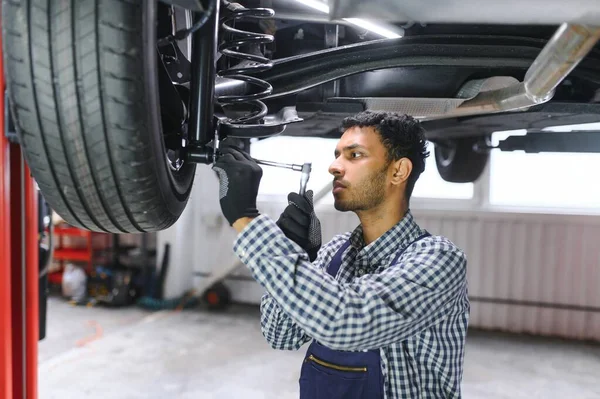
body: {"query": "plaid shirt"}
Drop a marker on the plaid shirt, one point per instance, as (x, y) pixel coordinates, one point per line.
(415, 311)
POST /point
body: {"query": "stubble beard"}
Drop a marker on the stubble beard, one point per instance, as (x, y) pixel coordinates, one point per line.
(364, 195)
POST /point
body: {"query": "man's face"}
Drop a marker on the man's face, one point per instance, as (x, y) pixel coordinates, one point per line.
(360, 170)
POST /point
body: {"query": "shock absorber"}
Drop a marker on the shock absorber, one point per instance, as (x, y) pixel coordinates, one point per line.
(242, 47)
(249, 62)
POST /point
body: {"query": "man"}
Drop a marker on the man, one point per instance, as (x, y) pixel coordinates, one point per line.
(386, 305)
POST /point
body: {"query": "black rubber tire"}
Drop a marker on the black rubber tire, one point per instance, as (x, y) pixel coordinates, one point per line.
(83, 87)
(458, 162)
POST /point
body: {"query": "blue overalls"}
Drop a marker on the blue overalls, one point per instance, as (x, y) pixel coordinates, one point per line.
(333, 374)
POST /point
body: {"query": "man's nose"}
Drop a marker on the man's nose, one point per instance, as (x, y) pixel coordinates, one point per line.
(336, 169)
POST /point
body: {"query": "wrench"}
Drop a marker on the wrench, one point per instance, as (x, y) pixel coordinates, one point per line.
(305, 168)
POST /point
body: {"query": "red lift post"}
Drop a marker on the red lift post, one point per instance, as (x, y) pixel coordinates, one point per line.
(19, 270)
(5, 277)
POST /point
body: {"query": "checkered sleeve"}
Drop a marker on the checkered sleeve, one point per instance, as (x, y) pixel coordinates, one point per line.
(279, 329)
(372, 311)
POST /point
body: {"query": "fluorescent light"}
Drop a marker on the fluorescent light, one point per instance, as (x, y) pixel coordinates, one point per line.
(373, 28)
(370, 26)
(315, 4)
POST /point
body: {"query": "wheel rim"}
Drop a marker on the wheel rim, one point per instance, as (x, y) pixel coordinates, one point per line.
(175, 159)
(175, 126)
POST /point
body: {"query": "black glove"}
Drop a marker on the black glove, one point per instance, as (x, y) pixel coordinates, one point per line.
(239, 178)
(300, 223)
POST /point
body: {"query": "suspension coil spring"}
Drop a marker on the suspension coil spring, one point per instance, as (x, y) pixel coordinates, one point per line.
(250, 62)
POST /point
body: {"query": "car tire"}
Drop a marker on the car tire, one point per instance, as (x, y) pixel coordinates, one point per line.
(458, 162)
(82, 81)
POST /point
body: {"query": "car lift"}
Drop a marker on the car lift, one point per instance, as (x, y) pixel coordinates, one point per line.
(19, 308)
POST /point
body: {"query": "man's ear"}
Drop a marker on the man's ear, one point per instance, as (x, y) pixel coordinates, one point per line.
(402, 169)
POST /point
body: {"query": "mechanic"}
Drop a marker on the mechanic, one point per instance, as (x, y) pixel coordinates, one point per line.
(385, 305)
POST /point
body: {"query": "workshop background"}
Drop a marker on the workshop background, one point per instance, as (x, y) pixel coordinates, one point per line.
(120, 322)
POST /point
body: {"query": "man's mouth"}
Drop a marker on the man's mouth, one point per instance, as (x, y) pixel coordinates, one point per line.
(337, 187)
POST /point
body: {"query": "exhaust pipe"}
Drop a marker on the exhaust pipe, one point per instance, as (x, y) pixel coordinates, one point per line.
(569, 45)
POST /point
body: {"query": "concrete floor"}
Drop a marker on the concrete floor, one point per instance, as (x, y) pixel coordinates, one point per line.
(130, 353)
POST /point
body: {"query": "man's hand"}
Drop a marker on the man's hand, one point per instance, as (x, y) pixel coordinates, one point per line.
(239, 177)
(300, 223)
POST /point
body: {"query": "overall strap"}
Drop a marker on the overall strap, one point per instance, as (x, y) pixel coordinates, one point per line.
(336, 262)
(411, 243)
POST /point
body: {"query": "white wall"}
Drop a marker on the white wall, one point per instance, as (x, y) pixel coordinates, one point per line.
(534, 273)
(200, 240)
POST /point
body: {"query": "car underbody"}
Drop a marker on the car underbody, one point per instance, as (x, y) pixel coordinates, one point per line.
(173, 78)
(432, 70)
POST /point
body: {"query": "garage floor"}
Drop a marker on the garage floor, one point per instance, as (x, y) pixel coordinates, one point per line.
(131, 353)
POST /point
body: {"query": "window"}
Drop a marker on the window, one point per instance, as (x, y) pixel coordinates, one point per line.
(431, 184)
(546, 180)
(277, 182)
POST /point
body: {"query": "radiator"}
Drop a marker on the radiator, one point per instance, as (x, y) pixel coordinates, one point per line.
(527, 273)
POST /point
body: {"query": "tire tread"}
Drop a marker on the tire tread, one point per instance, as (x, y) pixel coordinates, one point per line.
(77, 94)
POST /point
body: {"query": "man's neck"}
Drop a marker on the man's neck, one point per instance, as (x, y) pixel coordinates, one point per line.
(375, 222)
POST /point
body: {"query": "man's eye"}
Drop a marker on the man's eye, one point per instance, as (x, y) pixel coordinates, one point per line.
(355, 155)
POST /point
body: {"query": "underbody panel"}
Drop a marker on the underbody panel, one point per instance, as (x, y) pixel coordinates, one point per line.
(326, 123)
(433, 67)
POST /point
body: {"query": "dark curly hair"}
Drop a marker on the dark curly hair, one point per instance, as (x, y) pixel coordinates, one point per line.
(402, 136)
